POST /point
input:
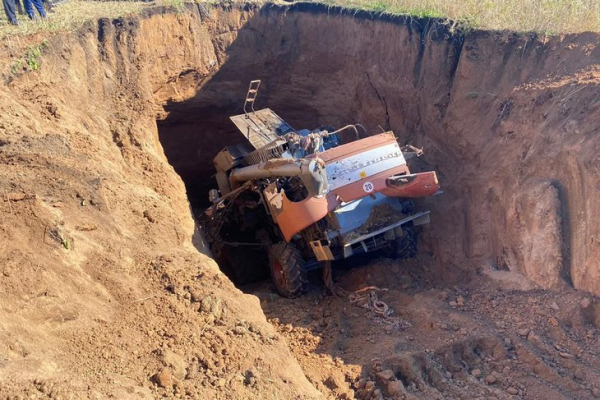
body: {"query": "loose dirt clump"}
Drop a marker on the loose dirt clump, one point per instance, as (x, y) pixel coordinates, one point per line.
(381, 216)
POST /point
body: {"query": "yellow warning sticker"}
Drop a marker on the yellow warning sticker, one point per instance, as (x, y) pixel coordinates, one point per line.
(363, 174)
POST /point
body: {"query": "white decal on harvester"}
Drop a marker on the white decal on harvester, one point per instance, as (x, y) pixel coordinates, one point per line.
(368, 187)
(368, 163)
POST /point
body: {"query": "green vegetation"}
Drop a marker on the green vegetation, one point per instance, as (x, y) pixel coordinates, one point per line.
(31, 61)
(33, 55)
(174, 3)
(542, 16)
(16, 67)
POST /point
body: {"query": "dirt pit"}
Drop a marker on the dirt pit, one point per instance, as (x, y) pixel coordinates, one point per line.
(489, 109)
(104, 295)
(471, 318)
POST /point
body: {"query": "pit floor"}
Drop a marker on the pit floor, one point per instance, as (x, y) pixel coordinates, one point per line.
(476, 339)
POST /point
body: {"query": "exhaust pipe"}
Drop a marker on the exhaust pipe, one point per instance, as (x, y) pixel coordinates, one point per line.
(310, 171)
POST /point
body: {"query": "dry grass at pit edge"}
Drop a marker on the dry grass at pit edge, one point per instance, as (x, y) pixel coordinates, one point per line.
(24, 44)
(72, 14)
(548, 17)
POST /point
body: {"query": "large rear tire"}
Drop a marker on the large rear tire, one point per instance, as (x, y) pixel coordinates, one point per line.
(241, 264)
(287, 270)
(406, 245)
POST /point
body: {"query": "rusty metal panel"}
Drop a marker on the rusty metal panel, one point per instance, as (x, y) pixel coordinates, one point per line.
(292, 217)
(261, 127)
(322, 252)
(422, 184)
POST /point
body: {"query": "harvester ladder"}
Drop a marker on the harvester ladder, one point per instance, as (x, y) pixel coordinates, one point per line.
(251, 96)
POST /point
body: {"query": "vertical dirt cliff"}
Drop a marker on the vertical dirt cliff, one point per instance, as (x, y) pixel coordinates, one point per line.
(507, 120)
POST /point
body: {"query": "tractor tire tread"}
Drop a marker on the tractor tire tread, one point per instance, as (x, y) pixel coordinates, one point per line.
(406, 246)
(292, 263)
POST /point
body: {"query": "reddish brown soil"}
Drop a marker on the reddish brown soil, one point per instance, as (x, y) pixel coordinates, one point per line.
(487, 339)
(104, 288)
(102, 293)
(508, 121)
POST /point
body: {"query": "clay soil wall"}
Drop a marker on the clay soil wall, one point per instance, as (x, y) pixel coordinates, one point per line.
(508, 121)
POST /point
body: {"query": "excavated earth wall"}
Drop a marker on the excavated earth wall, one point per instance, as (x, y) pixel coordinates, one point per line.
(508, 121)
(102, 291)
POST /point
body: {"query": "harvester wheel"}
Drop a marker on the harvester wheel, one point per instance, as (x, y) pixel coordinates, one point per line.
(287, 269)
(241, 265)
(406, 245)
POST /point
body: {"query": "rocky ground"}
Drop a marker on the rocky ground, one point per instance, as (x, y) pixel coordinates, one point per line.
(489, 336)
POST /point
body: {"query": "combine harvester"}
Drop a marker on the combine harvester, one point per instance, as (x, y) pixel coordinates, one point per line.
(298, 199)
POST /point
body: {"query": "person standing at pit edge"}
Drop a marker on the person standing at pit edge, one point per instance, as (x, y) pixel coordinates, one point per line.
(28, 4)
(9, 9)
